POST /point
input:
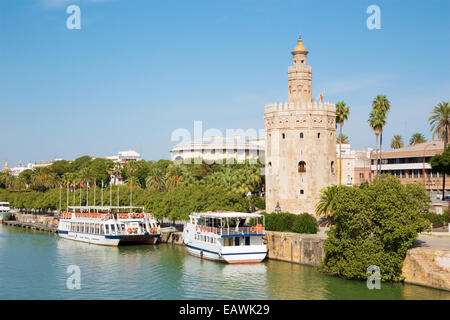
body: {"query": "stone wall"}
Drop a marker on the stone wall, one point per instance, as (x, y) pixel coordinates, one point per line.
(293, 247)
(427, 267)
(27, 218)
(171, 237)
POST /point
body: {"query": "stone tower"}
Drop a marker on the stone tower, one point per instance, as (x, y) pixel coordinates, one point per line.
(300, 143)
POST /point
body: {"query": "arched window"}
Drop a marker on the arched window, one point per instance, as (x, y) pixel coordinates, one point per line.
(302, 166)
(301, 191)
(283, 135)
(332, 167)
(301, 135)
(318, 135)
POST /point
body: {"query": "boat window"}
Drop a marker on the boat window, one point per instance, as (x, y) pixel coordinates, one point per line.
(113, 228)
(106, 228)
(247, 241)
(236, 241)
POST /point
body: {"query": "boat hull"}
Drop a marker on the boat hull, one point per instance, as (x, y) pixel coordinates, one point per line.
(248, 256)
(106, 240)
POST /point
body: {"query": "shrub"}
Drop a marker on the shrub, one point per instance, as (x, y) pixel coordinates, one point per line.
(375, 225)
(304, 223)
(289, 222)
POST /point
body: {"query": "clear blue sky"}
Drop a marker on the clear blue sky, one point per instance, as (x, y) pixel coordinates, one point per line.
(139, 69)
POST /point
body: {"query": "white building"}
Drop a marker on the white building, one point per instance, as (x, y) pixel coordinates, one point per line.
(125, 156)
(15, 171)
(218, 148)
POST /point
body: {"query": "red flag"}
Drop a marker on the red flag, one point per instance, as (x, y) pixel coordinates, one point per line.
(82, 185)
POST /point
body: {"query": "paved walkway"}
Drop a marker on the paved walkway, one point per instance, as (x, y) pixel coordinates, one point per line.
(433, 241)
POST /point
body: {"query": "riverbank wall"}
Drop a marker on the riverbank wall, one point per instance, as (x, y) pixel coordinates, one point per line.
(293, 247)
(427, 267)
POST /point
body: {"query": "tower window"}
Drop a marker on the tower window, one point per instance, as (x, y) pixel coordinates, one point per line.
(332, 167)
(302, 191)
(283, 135)
(270, 164)
(301, 135)
(302, 166)
(318, 135)
(303, 61)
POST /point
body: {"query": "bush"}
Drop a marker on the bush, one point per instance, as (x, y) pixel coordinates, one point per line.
(375, 225)
(288, 222)
(438, 220)
(304, 223)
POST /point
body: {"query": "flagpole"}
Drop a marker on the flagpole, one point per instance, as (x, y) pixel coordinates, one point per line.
(87, 194)
(80, 194)
(102, 193)
(67, 202)
(131, 194)
(118, 201)
(60, 190)
(110, 194)
(95, 187)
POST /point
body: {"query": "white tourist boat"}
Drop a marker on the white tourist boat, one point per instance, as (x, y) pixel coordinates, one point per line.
(109, 226)
(4, 211)
(232, 237)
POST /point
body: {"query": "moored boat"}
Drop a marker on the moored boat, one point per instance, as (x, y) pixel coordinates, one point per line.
(110, 226)
(232, 237)
(4, 211)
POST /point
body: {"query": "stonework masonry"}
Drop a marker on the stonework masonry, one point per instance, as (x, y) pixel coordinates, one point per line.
(300, 143)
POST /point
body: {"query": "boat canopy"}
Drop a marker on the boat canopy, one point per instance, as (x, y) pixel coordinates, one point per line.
(225, 214)
(104, 208)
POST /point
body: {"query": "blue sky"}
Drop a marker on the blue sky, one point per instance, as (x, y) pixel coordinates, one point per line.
(139, 69)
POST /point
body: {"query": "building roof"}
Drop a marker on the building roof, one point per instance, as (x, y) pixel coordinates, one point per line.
(428, 148)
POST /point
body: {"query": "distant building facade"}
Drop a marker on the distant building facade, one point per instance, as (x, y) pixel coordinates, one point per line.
(411, 164)
(300, 144)
(219, 148)
(125, 156)
(355, 165)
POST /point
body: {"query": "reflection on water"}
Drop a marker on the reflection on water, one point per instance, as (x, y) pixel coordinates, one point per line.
(33, 266)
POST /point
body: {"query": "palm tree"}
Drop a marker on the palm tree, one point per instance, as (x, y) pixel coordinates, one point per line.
(440, 123)
(341, 138)
(397, 142)
(417, 138)
(376, 122)
(342, 112)
(382, 104)
(326, 204)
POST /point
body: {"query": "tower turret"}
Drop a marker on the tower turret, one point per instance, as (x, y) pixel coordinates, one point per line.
(299, 75)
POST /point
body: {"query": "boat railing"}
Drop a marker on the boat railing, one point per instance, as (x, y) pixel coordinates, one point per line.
(229, 231)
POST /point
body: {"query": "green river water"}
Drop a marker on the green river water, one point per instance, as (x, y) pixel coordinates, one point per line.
(33, 265)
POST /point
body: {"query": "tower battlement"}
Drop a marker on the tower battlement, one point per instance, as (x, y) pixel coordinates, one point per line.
(312, 105)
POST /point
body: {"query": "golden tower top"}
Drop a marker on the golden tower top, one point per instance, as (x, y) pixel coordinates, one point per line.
(300, 47)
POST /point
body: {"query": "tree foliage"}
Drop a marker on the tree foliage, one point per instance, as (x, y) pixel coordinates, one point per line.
(374, 225)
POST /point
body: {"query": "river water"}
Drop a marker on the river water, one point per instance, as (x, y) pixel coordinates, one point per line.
(33, 265)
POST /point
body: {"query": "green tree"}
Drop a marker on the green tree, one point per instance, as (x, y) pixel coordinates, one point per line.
(326, 204)
(342, 139)
(417, 138)
(342, 113)
(383, 105)
(441, 163)
(397, 142)
(376, 122)
(375, 225)
(440, 122)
